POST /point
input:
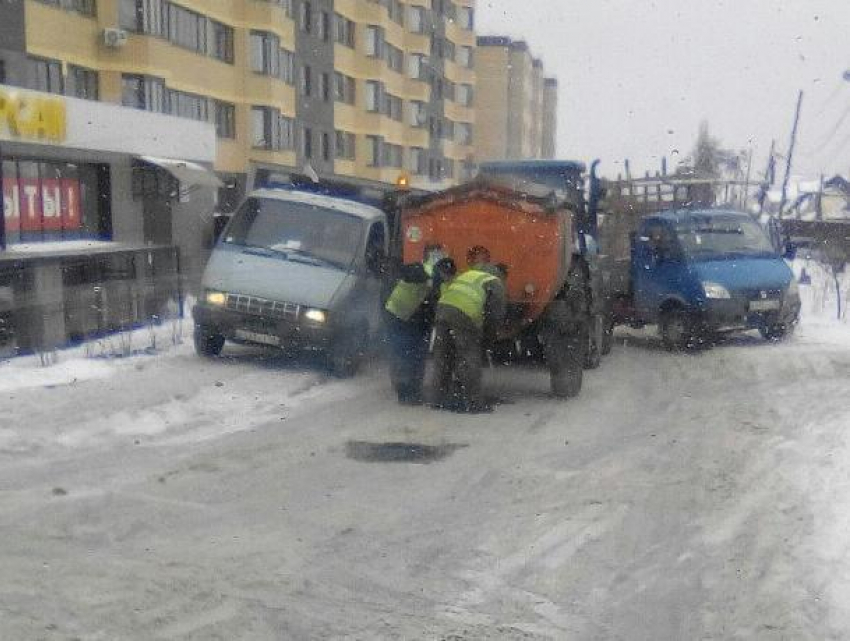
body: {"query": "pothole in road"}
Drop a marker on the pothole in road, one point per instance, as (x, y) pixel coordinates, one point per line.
(366, 452)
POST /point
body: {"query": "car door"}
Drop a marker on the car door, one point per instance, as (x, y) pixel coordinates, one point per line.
(656, 268)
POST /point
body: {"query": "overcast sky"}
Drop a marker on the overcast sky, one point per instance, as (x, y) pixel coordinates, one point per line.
(637, 76)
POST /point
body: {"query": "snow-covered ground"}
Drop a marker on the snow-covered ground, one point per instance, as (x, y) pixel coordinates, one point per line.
(163, 496)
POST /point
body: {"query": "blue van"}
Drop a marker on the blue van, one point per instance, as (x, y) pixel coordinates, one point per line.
(698, 273)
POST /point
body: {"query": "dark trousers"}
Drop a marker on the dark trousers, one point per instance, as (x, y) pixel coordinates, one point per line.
(457, 364)
(408, 343)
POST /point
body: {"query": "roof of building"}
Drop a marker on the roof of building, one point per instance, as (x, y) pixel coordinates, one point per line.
(317, 200)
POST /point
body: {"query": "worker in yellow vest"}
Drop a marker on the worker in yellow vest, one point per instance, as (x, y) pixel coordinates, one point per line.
(409, 318)
(472, 307)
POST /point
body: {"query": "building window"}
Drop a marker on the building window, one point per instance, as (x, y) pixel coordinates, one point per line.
(418, 114)
(345, 145)
(393, 156)
(464, 95)
(48, 201)
(144, 92)
(374, 45)
(417, 65)
(269, 59)
(393, 107)
(84, 7)
(188, 105)
(466, 17)
(464, 133)
(46, 75)
(418, 161)
(325, 87)
(186, 28)
(465, 57)
(286, 66)
(326, 147)
(306, 81)
(396, 11)
(395, 58)
(82, 83)
(325, 27)
(270, 130)
(416, 19)
(344, 31)
(143, 16)
(307, 143)
(306, 17)
(374, 94)
(225, 119)
(374, 150)
(221, 42)
(344, 89)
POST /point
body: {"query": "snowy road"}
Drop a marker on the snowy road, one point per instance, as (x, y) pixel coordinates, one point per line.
(680, 497)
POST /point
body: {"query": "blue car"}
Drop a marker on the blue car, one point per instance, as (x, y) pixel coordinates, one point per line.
(698, 273)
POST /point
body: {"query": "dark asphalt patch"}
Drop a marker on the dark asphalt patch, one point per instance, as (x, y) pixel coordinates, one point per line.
(399, 452)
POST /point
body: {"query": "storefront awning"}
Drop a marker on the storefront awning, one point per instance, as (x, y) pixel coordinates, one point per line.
(189, 174)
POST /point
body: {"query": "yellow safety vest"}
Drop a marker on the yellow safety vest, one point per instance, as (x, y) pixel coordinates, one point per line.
(466, 293)
(406, 299)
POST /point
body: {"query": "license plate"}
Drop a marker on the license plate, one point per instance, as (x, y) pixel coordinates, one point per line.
(764, 305)
(256, 337)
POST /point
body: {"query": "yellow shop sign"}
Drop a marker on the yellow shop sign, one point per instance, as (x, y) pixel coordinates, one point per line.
(30, 116)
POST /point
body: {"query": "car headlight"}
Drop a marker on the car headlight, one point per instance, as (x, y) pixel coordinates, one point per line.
(219, 299)
(715, 291)
(316, 315)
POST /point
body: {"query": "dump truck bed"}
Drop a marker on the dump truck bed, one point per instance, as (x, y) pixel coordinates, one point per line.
(531, 233)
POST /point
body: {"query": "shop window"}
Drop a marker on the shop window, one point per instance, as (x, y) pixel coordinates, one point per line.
(52, 201)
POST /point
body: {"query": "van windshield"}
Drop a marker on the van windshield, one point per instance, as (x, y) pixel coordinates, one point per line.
(297, 231)
(723, 236)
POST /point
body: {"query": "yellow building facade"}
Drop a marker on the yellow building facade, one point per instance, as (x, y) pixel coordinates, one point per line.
(364, 90)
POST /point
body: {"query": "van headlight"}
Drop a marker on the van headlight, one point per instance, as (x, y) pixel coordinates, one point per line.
(715, 291)
(316, 315)
(215, 298)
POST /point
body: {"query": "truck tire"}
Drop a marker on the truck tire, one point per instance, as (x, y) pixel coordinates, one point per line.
(595, 340)
(678, 329)
(208, 342)
(567, 336)
(346, 354)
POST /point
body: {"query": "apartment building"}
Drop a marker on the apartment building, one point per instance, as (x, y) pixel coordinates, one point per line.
(516, 103)
(360, 89)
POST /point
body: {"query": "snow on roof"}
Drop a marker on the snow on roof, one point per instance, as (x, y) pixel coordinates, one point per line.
(360, 210)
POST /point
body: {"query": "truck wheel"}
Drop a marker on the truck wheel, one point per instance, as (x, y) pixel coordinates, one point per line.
(346, 354)
(565, 356)
(208, 342)
(608, 335)
(595, 338)
(678, 329)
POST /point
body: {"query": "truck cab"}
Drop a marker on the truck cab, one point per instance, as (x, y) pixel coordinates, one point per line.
(697, 273)
(295, 270)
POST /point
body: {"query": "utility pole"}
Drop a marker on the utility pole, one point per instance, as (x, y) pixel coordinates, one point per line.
(790, 154)
(768, 177)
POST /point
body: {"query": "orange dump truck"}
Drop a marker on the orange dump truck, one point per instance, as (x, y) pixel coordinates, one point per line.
(531, 231)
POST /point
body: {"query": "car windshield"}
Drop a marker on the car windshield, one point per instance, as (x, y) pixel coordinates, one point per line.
(723, 236)
(295, 229)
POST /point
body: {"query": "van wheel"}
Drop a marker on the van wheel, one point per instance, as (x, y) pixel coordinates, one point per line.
(346, 354)
(208, 342)
(608, 335)
(678, 329)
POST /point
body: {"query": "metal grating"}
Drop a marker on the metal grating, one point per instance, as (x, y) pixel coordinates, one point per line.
(255, 306)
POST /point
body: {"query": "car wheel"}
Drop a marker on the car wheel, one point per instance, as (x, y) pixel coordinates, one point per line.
(208, 342)
(346, 355)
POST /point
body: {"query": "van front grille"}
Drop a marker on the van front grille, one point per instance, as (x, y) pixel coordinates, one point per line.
(256, 306)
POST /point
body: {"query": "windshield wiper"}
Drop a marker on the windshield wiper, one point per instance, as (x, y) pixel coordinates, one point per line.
(310, 258)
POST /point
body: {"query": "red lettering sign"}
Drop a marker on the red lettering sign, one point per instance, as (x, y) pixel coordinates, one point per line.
(52, 204)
